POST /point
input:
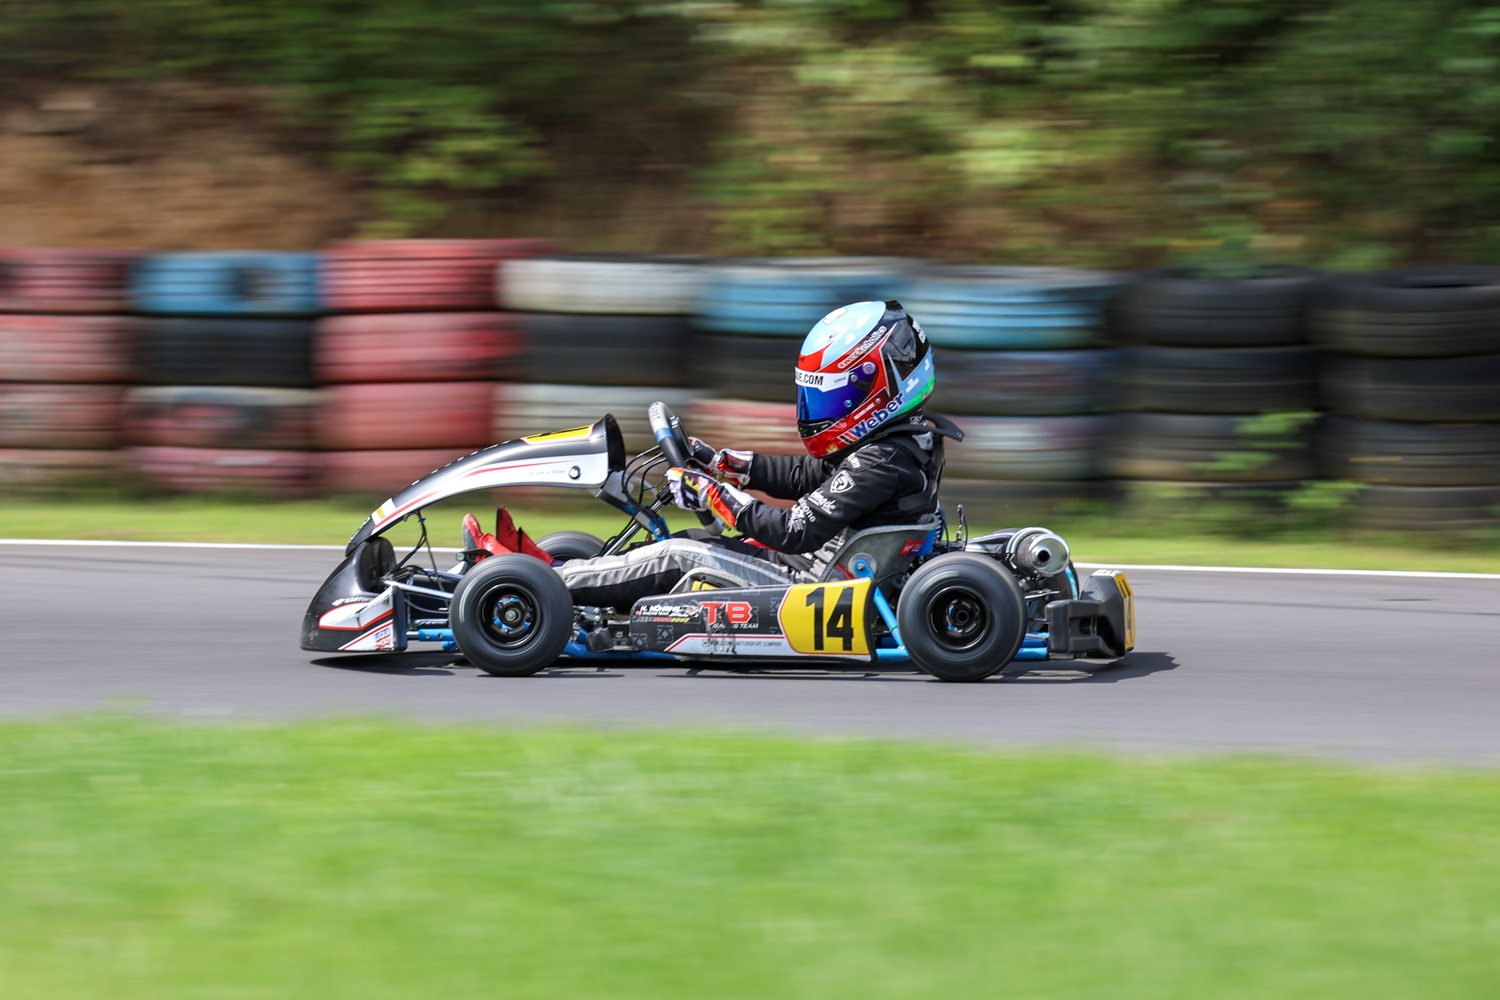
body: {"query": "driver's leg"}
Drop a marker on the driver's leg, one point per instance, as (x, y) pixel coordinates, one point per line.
(621, 580)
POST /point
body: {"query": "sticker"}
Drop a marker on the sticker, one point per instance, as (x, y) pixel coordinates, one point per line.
(1129, 596)
(572, 434)
(385, 510)
(827, 619)
(842, 482)
(818, 500)
(912, 546)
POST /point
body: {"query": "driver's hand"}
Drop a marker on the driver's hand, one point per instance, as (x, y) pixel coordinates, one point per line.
(693, 490)
(726, 464)
(701, 454)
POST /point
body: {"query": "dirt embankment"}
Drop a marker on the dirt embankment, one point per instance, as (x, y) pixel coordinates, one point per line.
(162, 168)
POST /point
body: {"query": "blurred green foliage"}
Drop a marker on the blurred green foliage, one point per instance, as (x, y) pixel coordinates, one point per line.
(1221, 132)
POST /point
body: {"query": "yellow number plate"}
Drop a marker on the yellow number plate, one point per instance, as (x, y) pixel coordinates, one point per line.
(567, 435)
(827, 619)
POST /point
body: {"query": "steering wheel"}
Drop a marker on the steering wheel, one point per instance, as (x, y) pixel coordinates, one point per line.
(667, 429)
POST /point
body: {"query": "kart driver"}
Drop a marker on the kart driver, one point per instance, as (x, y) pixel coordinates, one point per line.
(874, 459)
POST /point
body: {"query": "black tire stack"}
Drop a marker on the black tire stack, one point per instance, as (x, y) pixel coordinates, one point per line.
(1205, 359)
(1413, 375)
(603, 333)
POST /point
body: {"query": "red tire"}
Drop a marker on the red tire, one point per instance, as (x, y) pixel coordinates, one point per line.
(26, 470)
(60, 416)
(213, 416)
(381, 474)
(769, 428)
(283, 474)
(64, 281)
(417, 275)
(67, 348)
(416, 347)
(400, 416)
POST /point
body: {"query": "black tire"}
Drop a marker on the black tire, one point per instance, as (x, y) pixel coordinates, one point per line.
(1372, 451)
(992, 503)
(1192, 448)
(1232, 380)
(252, 352)
(1022, 383)
(571, 545)
(522, 585)
(604, 350)
(1029, 448)
(1411, 312)
(962, 617)
(1175, 308)
(745, 367)
(1427, 390)
(1432, 509)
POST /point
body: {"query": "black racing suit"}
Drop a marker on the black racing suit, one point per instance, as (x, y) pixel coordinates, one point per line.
(890, 477)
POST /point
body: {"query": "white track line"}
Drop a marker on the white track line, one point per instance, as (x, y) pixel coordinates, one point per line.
(100, 542)
(1419, 574)
(1422, 574)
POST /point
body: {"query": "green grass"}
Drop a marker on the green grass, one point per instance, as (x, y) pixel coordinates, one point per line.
(367, 860)
(1094, 538)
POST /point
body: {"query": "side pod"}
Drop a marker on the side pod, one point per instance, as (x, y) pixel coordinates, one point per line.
(1101, 622)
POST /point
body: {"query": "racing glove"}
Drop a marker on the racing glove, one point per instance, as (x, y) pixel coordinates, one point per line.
(693, 490)
(726, 463)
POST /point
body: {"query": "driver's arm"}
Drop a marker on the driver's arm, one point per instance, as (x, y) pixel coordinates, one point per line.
(787, 477)
(824, 511)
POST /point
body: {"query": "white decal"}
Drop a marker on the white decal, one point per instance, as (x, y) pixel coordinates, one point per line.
(842, 482)
(818, 500)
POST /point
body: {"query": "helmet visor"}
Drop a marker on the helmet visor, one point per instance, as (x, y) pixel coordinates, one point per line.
(818, 400)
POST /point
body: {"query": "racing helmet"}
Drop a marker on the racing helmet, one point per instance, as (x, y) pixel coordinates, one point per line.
(860, 365)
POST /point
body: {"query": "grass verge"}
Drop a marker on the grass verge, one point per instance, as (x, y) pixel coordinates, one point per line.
(373, 860)
(1094, 538)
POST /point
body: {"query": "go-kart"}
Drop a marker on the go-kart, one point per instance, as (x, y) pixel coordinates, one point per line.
(958, 608)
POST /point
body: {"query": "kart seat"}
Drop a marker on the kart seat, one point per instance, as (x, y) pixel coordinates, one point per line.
(888, 549)
(373, 560)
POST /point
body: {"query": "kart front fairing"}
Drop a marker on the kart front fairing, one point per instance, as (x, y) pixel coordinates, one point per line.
(591, 458)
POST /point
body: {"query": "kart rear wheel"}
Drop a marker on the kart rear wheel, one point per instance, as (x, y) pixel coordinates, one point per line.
(962, 617)
(571, 545)
(511, 615)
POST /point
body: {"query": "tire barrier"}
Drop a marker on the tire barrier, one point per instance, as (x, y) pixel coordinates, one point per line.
(417, 347)
(1434, 509)
(275, 353)
(785, 296)
(990, 504)
(417, 275)
(64, 281)
(522, 409)
(1414, 312)
(1370, 451)
(1227, 380)
(603, 350)
(67, 348)
(221, 417)
(1009, 308)
(380, 473)
(38, 470)
(1023, 383)
(1175, 308)
(226, 283)
(1028, 448)
(1415, 390)
(768, 428)
(1180, 447)
(610, 284)
(396, 416)
(757, 368)
(85, 417)
(278, 474)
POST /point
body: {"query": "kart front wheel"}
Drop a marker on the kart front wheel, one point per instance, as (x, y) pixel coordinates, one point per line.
(962, 617)
(511, 615)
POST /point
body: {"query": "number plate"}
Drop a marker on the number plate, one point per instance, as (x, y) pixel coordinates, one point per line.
(827, 619)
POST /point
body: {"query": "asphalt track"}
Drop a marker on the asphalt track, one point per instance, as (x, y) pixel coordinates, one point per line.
(1387, 668)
